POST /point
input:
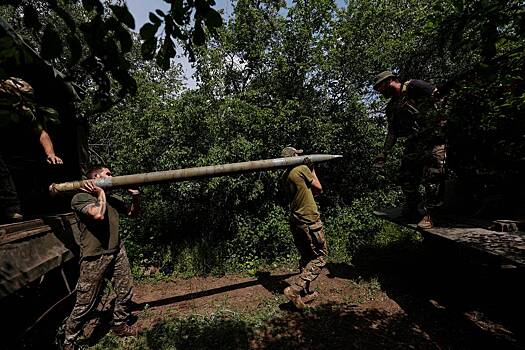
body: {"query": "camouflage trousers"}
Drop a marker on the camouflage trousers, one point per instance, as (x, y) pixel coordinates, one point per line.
(423, 163)
(93, 270)
(310, 241)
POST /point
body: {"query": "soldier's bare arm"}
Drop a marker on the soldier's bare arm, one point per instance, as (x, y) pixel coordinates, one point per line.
(135, 204)
(95, 210)
(47, 144)
(316, 186)
(390, 141)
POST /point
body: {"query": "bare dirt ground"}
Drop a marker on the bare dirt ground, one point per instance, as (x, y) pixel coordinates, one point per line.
(387, 300)
(431, 297)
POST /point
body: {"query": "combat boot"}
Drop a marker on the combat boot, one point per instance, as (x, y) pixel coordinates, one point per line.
(426, 222)
(123, 330)
(295, 297)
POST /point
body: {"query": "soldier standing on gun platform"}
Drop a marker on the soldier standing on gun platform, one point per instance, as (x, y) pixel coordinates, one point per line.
(102, 255)
(411, 113)
(22, 124)
(300, 185)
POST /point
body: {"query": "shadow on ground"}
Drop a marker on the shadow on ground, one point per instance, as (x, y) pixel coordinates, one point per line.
(325, 327)
(459, 298)
(449, 299)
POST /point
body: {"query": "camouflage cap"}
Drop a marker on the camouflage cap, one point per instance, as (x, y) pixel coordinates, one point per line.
(379, 78)
(290, 152)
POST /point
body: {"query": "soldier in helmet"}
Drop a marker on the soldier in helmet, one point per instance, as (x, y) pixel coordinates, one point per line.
(300, 185)
(411, 114)
(22, 124)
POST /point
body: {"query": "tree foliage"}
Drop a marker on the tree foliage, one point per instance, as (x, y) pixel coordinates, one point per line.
(277, 75)
(97, 36)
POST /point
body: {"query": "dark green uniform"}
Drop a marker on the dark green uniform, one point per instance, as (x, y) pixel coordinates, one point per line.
(19, 146)
(414, 117)
(102, 255)
(305, 225)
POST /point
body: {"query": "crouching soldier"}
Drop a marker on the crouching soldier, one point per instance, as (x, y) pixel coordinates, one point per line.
(300, 185)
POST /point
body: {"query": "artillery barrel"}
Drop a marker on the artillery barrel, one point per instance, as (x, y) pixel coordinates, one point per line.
(194, 173)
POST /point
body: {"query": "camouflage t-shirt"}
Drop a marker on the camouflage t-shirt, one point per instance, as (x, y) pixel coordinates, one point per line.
(297, 187)
(98, 237)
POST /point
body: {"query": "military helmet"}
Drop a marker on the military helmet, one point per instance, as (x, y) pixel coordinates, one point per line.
(382, 77)
(290, 152)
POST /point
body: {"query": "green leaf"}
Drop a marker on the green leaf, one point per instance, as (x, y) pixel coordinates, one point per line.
(50, 114)
(148, 48)
(199, 38)
(126, 42)
(154, 19)
(177, 34)
(112, 54)
(148, 31)
(14, 3)
(169, 47)
(75, 48)
(458, 4)
(213, 18)
(123, 15)
(31, 18)
(126, 81)
(89, 5)
(178, 12)
(201, 6)
(163, 61)
(51, 46)
(160, 13)
(66, 17)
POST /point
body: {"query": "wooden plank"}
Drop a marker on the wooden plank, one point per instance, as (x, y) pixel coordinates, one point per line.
(27, 229)
(29, 250)
(471, 233)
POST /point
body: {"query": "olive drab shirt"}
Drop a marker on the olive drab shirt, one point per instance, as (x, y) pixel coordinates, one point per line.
(98, 237)
(297, 187)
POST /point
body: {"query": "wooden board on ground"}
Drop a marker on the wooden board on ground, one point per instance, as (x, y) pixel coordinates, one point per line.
(509, 247)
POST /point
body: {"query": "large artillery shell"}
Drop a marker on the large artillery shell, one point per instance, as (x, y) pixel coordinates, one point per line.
(194, 173)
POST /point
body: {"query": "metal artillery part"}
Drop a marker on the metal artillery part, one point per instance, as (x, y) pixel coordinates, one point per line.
(195, 173)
